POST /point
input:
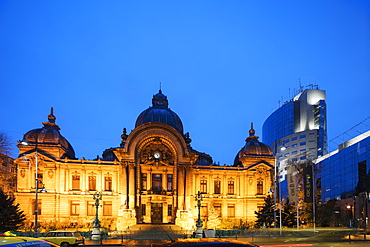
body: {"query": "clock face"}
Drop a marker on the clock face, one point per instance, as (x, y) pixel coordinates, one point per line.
(157, 155)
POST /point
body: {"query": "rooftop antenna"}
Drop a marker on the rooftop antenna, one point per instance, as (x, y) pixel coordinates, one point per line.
(300, 86)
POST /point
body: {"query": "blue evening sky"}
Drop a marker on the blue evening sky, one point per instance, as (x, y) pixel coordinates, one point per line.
(222, 64)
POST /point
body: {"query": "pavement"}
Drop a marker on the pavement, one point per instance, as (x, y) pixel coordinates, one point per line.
(151, 234)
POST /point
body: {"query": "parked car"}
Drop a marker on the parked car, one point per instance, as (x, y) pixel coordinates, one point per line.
(64, 238)
(14, 241)
(211, 242)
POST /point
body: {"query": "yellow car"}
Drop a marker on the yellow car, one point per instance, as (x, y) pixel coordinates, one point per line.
(64, 238)
(13, 241)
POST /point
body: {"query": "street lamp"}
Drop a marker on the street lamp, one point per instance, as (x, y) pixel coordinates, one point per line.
(277, 185)
(199, 231)
(349, 207)
(96, 234)
(42, 190)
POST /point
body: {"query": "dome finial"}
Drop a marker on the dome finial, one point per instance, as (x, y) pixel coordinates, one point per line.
(51, 116)
(252, 131)
(160, 87)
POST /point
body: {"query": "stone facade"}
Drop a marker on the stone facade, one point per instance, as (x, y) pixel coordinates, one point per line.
(152, 177)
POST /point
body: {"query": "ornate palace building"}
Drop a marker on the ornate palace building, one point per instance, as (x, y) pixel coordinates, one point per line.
(152, 177)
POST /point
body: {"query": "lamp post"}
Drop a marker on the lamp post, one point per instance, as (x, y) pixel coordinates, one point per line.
(96, 234)
(277, 184)
(43, 190)
(199, 231)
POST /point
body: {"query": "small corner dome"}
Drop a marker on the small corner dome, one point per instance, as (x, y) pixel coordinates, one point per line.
(49, 135)
(159, 112)
(252, 147)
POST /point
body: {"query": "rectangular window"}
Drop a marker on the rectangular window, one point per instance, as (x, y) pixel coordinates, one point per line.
(217, 207)
(90, 209)
(217, 187)
(231, 210)
(38, 206)
(157, 182)
(204, 210)
(169, 210)
(169, 182)
(203, 186)
(302, 136)
(76, 182)
(302, 143)
(92, 183)
(143, 209)
(108, 183)
(294, 145)
(294, 138)
(230, 187)
(75, 208)
(107, 208)
(302, 150)
(259, 188)
(40, 183)
(143, 181)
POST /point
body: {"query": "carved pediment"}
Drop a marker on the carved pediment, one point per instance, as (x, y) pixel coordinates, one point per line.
(156, 154)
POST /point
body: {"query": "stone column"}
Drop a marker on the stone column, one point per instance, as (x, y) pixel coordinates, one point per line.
(124, 185)
(131, 196)
(174, 183)
(138, 185)
(181, 187)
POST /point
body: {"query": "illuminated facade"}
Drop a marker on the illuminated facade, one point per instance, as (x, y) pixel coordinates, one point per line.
(152, 177)
(299, 126)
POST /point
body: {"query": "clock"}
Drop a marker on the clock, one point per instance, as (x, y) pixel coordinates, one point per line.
(157, 155)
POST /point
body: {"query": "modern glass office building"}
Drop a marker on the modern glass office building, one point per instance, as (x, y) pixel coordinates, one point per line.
(345, 172)
(296, 131)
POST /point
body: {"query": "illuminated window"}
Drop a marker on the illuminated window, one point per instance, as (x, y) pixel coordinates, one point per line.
(92, 183)
(230, 187)
(169, 182)
(76, 182)
(38, 207)
(40, 180)
(157, 182)
(259, 188)
(75, 208)
(231, 210)
(90, 209)
(217, 187)
(107, 183)
(203, 186)
(169, 210)
(107, 208)
(217, 207)
(204, 210)
(143, 181)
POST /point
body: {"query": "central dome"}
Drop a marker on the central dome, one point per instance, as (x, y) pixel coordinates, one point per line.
(160, 112)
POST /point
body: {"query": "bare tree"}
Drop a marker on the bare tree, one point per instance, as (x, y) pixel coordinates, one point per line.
(5, 144)
(8, 169)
